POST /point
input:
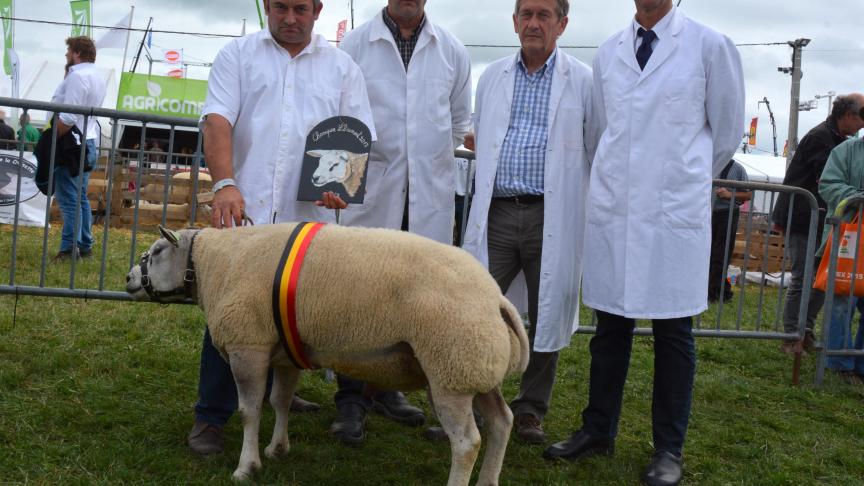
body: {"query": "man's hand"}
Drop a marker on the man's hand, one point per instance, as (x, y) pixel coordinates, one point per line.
(723, 193)
(330, 200)
(228, 207)
(469, 141)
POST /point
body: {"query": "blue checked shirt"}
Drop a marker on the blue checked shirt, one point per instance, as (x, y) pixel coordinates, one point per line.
(523, 154)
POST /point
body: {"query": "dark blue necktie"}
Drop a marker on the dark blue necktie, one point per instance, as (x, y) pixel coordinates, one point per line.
(644, 51)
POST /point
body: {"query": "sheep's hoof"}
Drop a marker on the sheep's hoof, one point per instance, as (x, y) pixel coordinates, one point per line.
(241, 475)
(274, 451)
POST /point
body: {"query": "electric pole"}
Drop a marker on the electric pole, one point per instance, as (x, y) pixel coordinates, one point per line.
(797, 46)
(830, 95)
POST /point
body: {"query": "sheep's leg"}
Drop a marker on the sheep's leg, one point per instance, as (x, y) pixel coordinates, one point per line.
(499, 421)
(454, 412)
(249, 368)
(284, 381)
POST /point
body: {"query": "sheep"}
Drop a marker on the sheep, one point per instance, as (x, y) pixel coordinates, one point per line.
(339, 166)
(394, 309)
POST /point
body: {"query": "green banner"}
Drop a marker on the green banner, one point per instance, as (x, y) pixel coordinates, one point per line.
(8, 35)
(161, 95)
(81, 18)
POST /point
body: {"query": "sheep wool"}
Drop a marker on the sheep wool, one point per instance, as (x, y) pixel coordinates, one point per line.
(384, 306)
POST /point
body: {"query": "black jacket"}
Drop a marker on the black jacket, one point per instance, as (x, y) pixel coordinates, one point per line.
(7, 137)
(804, 171)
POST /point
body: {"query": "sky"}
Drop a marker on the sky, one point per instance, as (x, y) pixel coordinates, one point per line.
(833, 61)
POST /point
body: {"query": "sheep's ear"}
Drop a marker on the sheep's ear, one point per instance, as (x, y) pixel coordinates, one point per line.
(172, 236)
(315, 153)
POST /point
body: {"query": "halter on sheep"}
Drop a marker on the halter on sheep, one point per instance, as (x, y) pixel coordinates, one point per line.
(419, 314)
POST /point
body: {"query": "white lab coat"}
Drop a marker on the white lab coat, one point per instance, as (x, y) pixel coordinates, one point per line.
(572, 138)
(420, 117)
(669, 130)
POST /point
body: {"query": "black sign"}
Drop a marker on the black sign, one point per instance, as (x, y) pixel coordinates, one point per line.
(9, 170)
(335, 160)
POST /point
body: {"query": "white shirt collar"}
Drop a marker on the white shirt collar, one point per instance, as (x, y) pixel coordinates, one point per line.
(661, 29)
(315, 43)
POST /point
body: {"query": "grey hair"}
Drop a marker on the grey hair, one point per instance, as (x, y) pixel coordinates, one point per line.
(845, 104)
(562, 7)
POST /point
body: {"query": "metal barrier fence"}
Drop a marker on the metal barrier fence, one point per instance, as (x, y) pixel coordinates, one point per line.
(839, 305)
(97, 286)
(757, 265)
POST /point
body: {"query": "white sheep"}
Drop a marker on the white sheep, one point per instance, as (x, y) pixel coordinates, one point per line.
(340, 166)
(394, 309)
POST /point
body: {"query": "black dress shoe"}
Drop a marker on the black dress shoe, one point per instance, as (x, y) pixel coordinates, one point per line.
(665, 470)
(578, 446)
(394, 406)
(350, 424)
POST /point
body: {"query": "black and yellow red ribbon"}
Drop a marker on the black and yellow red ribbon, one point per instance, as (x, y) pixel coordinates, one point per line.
(285, 292)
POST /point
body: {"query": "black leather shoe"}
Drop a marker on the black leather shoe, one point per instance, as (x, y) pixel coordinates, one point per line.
(578, 446)
(350, 424)
(665, 470)
(394, 406)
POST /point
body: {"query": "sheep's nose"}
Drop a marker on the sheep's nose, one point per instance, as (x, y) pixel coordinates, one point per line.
(128, 278)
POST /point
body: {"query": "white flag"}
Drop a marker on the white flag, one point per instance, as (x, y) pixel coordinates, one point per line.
(115, 38)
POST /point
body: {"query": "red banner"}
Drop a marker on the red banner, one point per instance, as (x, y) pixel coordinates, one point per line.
(340, 31)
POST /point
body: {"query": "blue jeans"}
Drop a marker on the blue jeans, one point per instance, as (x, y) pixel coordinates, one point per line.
(75, 210)
(674, 370)
(840, 334)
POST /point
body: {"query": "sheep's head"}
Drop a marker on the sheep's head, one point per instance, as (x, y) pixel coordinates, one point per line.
(162, 274)
(332, 166)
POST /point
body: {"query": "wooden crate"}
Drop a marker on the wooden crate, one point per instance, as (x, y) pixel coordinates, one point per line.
(764, 244)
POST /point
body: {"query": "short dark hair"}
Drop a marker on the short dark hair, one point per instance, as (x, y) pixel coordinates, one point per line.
(83, 46)
(845, 104)
(562, 7)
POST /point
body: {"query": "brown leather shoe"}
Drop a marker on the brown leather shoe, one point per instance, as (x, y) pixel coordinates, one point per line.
(298, 405)
(809, 343)
(529, 429)
(790, 347)
(206, 439)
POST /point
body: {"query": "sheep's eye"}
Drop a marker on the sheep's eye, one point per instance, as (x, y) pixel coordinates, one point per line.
(156, 251)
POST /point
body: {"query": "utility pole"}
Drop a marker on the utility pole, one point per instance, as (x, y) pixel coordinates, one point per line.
(830, 95)
(797, 46)
(773, 123)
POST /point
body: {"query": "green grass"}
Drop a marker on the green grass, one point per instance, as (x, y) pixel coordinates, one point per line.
(100, 392)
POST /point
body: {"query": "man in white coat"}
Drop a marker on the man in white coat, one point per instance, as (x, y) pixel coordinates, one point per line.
(535, 135)
(672, 93)
(419, 81)
(266, 91)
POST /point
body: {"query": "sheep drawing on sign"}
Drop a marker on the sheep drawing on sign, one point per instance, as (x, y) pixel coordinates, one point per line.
(339, 166)
(417, 314)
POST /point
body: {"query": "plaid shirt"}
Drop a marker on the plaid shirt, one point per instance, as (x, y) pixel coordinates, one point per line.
(404, 46)
(523, 154)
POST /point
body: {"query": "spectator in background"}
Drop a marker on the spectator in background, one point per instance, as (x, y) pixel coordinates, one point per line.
(804, 171)
(7, 134)
(28, 135)
(844, 177)
(85, 86)
(723, 208)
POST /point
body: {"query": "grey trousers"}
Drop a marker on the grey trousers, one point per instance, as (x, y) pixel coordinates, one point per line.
(798, 258)
(515, 237)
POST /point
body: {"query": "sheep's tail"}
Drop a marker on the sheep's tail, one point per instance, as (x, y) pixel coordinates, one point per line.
(520, 349)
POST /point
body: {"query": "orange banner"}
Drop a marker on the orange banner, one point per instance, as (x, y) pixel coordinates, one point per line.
(753, 124)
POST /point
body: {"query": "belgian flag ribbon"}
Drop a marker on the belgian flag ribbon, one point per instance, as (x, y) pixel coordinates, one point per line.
(285, 292)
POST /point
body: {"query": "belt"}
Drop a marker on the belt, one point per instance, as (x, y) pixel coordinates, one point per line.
(521, 199)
